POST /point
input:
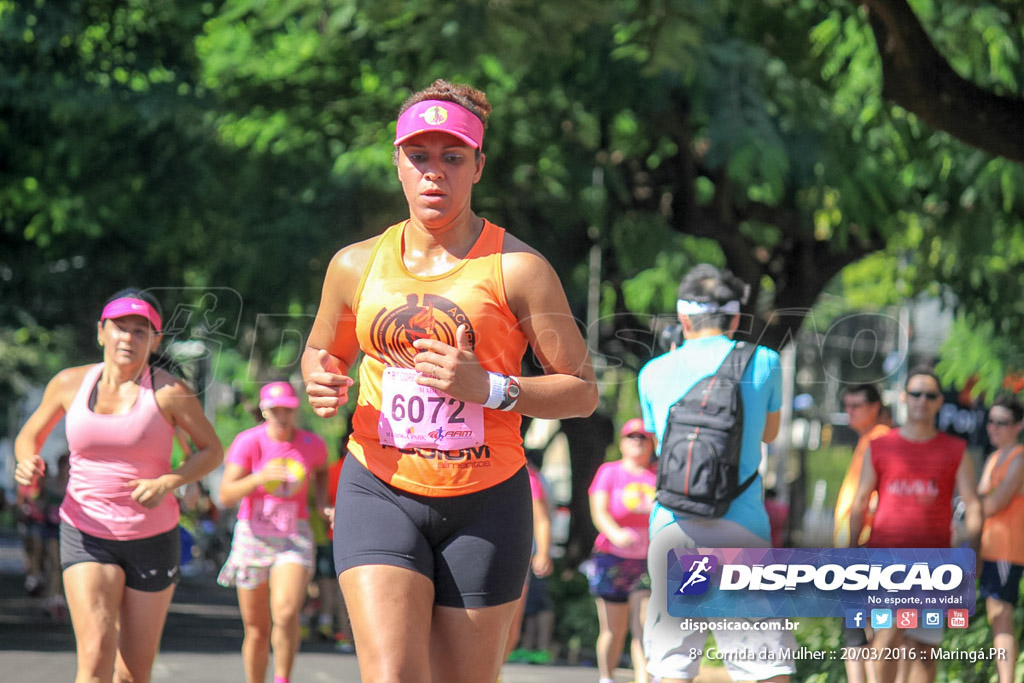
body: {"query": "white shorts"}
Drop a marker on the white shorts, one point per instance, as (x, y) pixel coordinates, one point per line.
(672, 652)
(252, 557)
(926, 636)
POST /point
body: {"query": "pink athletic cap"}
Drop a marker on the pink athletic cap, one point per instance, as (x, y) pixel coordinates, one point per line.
(442, 115)
(119, 308)
(278, 395)
(634, 426)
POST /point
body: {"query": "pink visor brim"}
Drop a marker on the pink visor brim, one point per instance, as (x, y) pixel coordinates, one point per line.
(280, 402)
(125, 306)
(443, 116)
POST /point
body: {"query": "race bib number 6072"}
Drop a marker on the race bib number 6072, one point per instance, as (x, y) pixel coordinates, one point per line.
(415, 416)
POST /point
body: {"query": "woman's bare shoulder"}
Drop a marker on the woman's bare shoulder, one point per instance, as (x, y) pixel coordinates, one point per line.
(352, 259)
(70, 379)
(166, 383)
(522, 265)
(65, 384)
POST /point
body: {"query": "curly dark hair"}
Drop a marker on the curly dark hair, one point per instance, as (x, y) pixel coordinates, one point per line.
(464, 95)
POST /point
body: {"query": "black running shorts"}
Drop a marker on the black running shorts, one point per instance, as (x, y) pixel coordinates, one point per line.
(150, 564)
(474, 547)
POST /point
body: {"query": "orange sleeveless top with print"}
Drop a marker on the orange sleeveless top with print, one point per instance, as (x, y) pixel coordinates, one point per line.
(393, 308)
(1002, 537)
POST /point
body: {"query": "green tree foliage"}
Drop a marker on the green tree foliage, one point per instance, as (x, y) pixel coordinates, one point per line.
(29, 356)
(238, 143)
(113, 172)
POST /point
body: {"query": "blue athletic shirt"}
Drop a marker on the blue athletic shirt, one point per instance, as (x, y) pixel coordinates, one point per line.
(666, 379)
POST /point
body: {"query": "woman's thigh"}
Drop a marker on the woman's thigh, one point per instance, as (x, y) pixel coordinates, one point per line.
(390, 610)
(612, 616)
(288, 585)
(468, 645)
(254, 604)
(143, 614)
(94, 592)
(638, 601)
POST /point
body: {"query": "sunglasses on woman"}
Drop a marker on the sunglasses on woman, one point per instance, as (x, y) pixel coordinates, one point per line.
(930, 395)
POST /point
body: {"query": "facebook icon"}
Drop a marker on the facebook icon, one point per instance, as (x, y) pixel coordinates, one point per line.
(856, 618)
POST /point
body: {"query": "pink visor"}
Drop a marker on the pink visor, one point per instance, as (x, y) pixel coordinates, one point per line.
(119, 308)
(278, 395)
(441, 115)
(634, 426)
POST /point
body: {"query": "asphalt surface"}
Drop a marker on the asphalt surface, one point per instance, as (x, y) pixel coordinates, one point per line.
(201, 642)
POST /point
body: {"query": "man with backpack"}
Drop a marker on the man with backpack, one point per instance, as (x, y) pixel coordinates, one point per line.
(711, 402)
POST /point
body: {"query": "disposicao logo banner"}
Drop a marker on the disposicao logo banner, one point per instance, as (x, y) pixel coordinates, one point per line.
(817, 582)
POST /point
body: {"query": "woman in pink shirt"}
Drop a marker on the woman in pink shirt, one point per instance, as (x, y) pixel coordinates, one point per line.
(268, 471)
(119, 542)
(621, 497)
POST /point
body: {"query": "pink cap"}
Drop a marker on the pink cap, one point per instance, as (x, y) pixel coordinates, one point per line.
(125, 306)
(448, 117)
(278, 395)
(634, 426)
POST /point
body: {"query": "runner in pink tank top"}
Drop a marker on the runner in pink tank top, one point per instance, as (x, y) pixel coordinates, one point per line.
(269, 471)
(119, 541)
(108, 452)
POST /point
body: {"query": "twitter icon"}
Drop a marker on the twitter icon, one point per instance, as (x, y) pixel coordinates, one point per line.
(881, 618)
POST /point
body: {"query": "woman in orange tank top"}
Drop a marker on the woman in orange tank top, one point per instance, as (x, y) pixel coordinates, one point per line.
(442, 307)
(1002, 541)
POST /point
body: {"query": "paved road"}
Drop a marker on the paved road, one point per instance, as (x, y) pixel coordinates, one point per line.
(201, 641)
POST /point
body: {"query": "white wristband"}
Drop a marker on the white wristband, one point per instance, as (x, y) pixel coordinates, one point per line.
(497, 389)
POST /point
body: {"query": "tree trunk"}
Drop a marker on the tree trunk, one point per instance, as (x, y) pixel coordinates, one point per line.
(589, 438)
(918, 78)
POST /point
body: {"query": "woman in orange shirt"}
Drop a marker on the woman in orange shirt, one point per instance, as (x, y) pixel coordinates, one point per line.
(433, 509)
(1002, 541)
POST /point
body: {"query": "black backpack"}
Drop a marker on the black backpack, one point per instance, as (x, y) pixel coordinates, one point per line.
(698, 468)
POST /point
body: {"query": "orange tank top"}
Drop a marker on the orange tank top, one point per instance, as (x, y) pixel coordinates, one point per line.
(1002, 537)
(848, 489)
(393, 308)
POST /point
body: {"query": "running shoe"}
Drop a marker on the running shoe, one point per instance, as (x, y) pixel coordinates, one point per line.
(325, 631)
(343, 644)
